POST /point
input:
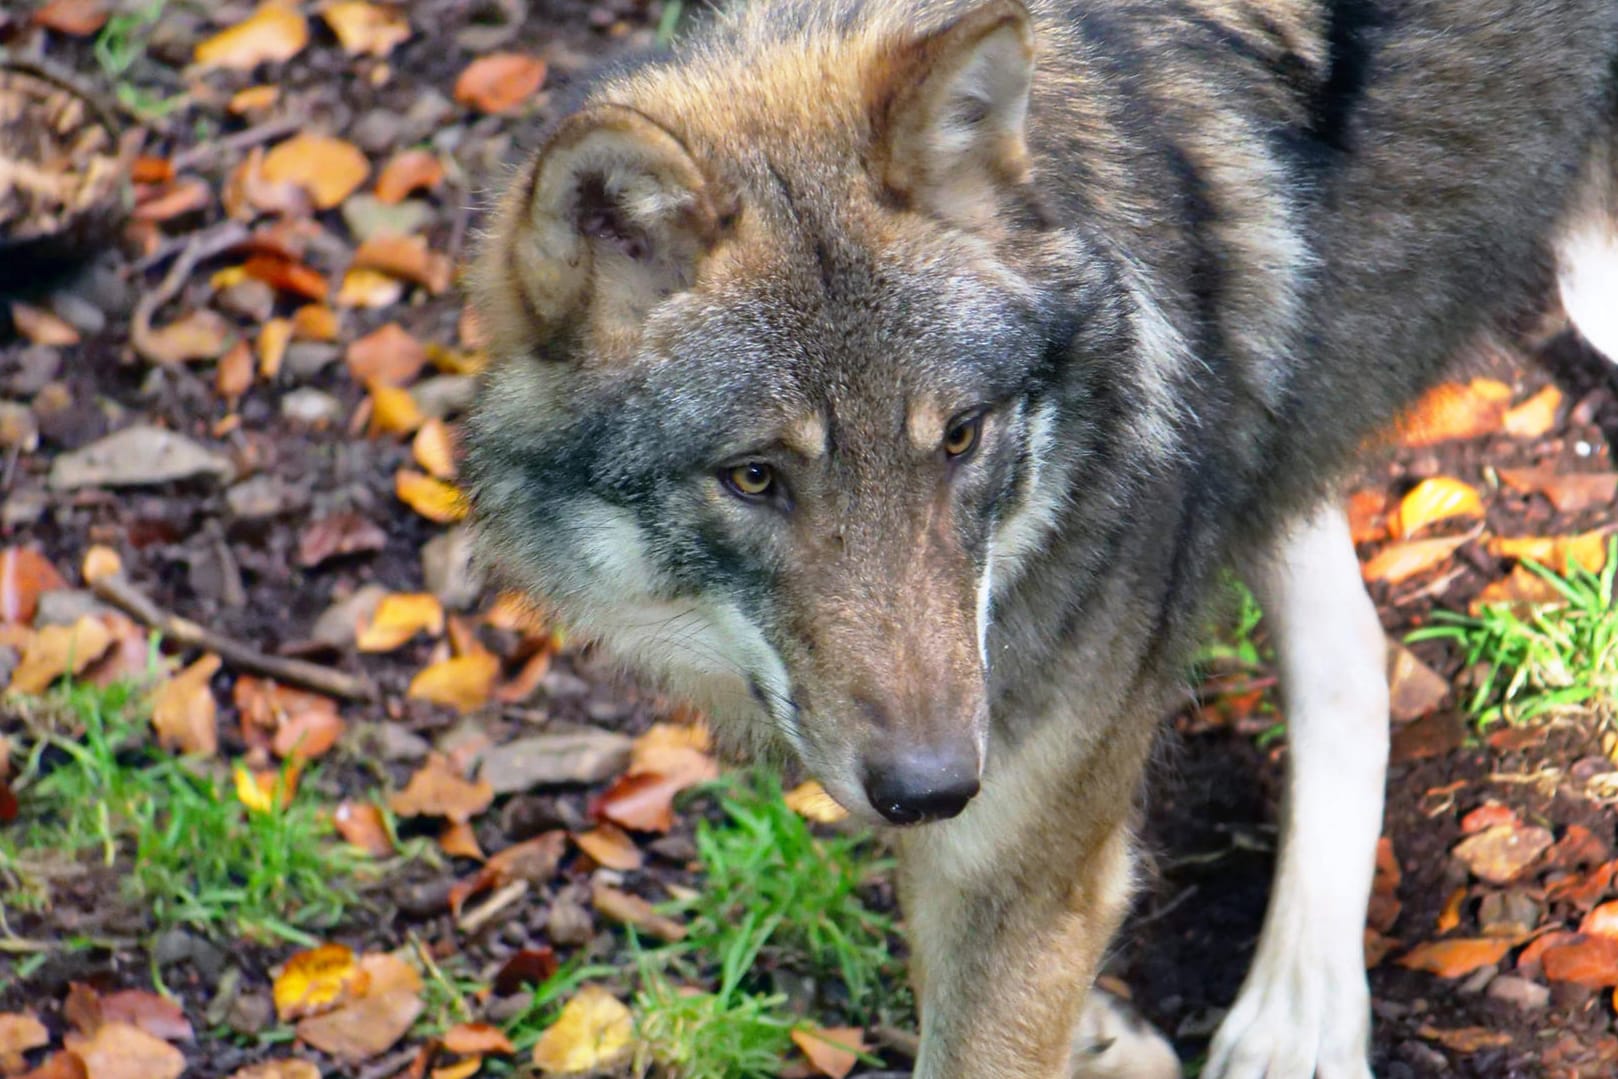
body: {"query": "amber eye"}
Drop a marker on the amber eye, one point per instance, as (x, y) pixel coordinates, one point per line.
(962, 438)
(753, 480)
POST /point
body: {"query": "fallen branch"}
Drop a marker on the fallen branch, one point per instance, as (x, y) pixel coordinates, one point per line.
(203, 152)
(116, 590)
(202, 245)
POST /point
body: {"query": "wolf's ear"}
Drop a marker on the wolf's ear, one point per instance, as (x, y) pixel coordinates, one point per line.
(954, 109)
(618, 213)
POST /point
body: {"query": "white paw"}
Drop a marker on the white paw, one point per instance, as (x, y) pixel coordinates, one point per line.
(1112, 1041)
(1297, 1018)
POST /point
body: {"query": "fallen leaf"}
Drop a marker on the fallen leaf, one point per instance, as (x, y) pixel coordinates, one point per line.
(810, 801)
(184, 712)
(531, 966)
(462, 682)
(199, 335)
(407, 258)
(366, 29)
(611, 848)
(100, 561)
(393, 410)
(124, 1051)
(464, 1039)
(363, 1029)
(437, 791)
(1436, 499)
(314, 322)
(619, 906)
(1602, 921)
(1414, 689)
(261, 791)
(434, 499)
(317, 980)
(462, 1069)
(387, 971)
(831, 1051)
(1455, 958)
(180, 196)
(248, 192)
(362, 825)
(1489, 815)
(643, 802)
(1401, 561)
(158, 1016)
(534, 861)
(253, 99)
(370, 289)
(1568, 492)
(55, 651)
(1453, 411)
(75, 18)
(63, 1065)
(1534, 417)
(234, 376)
(434, 449)
(1450, 916)
(1367, 516)
(1529, 959)
(20, 1033)
(1503, 852)
(1377, 948)
(330, 169)
(272, 34)
(338, 535)
(398, 618)
(273, 339)
(1560, 553)
(1521, 589)
(594, 1032)
(460, 840)
(42, 327)
(309, 734)
(1588, 961)
(500, 81)
(24, 575)
(388, 354)
(408, 172)
(679, 752)
(1465, 1039)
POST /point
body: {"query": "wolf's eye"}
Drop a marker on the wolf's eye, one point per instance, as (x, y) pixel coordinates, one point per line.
(753, 480)
(962, 437)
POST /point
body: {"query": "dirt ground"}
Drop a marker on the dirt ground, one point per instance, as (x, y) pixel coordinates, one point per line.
(235, 558)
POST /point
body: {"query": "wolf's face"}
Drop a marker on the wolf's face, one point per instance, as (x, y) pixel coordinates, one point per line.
(775, 435)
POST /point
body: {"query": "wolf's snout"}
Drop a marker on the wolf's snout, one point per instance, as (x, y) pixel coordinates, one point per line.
(925, 784)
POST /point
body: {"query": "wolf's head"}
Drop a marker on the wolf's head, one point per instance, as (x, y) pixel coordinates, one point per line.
(782, 343)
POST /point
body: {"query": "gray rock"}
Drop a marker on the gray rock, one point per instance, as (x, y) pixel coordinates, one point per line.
(250, 1013)
(500, 1010)
(378, 131)
(135, 457)
(424, 898)
(263, 496)
(392, 743)
(1512, 913)
(541, 759)
(1529, 996)
(25, 507)
(367, 216)
(448, 569)
(306, 359)
(338, 624)
(444, 395)
(1476, 982)
(429, 112)
(26, 371)
(84, 316)
(312, 407)
(570, 922)
(249, 298)
(65, 606)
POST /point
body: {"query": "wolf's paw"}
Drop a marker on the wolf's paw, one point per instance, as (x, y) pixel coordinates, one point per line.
(1112, 1041)
(1295, 1020)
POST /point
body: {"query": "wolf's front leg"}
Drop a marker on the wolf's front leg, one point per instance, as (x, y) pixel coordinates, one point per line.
(1304, 1010)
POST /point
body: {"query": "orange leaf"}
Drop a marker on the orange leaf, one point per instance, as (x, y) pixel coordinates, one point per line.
(1367, 516)
(433, 499)
(679, 752)
(309, 734)
(124, 1051)
(288, 276)
(363, 28)
(57, 650)
(184, 713)
(460, 841)
(412, 170)
(465, 1039)
(234, 376)
(75, 18)
(594, 1032)
(1465, 1039)
(272, 346)
(393, 410)
(1401, 561)
(611, 848)
(370, 289)
(643, 802)
(361, 825)
(199, 335)
(1435, 499)
(534, 860)
(398, 618)
(318, 980)
(1569, 492)
(1561, 553)
(173, 199)
(1602, 921)
(438, 791)
(810, 801)
(257, 790)
(314, 322)
(1452, 411)
(330, 169)
(1455, 958)
(272, 34)
(24, 575)
(365, 1028)
(831, 1051)
(20, 1033)
(42, 327)
(500, 81)
(405, 257)
(253, 99)
(1588, 961)
(434, 449)
(388, 354)
(619, 906)
(1450, 916)
(158, 1016)
(1535, 416)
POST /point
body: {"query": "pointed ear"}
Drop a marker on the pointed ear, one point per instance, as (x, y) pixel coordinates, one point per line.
(615, 217)
(953, 129)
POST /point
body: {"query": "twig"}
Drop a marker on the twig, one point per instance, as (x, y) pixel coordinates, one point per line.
(117, 590)
(241, 140)
(25, 946)
(202, 245)
(902, 1042)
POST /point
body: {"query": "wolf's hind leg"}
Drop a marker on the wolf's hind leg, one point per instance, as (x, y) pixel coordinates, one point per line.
(1304, 1010)
(1587, 254)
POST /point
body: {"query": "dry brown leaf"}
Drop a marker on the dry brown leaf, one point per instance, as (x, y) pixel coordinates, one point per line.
(253, 99)
(272, 34)
(407, 258)
(1401, 561)
(432, 498)
(308, 734)
(461, 1069)
(619, 906)
(158, 1016)
(339, 534)
(362, 825)
(184, 195)
(57, 650)
(124, 1051)
(1521, 590)
(460, 840)
(534, 861)
(1367, 516)
(398, 618)
(679, 752)
(1560, 553)
(611, 848)
(184, 712)
(24, 575)
(454, 362)
(273, 339)
(75, 18)
(370, 289)
(1452, 410)
(643, 802)
(436, 790)
(1432, 500)
(330, 169)
(314, 322)
(831, 1051)
(278, 1069)
(465, 1039)
(62, 1065)
(1588, 961)
(810, 801)
(199, 335)
(388, 971)
(500, 81)
(434, 449)
(393, 410)
(288, 275)
(1534, 417)
(1602, 921)
(366, 29)
(388, 354)
(1465, 1039)
(1450, 916)
(1569, 492)
(20, 1033)
(318, 980)
(408, 172)
(1501, 853)
(594, 1032)
(365, 1028)
(248, 193)
(42, 327)
(234, 376)
(1456, 958)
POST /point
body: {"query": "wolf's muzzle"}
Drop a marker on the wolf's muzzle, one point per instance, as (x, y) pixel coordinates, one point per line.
(926, 784)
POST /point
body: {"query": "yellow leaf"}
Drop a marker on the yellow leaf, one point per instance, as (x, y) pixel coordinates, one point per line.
(366, 28)
(272, 34)
(367, 288)
(594, 1032)
(810, 801)
(432, 498)
(184, 711)
(101, 561)
(1399, 562)
(1560, 553)
(434, 449)
(330, 169)
(1435, 499)
(58, 650)
(1453, 410)
(463, 683)
(317, 981)
(314, 322)
(1535, 416)
(272, 346)
(393, 410)
(399, 617)
(460, 1070)
(253, 99)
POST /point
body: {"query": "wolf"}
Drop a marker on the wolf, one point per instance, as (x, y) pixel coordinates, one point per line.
(893, 379)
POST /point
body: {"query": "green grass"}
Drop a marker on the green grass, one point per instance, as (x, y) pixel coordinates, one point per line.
(1233, 638)
(121, 42)
(1544, 659)
(94, 787)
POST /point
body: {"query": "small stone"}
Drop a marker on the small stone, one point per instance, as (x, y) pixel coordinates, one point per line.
(311, 407)
(306, 359)
(137, 456)
(448, 569)
(84, 316)
(392, 743)
(423, 899)
(1512, 913)
(368, 216)
(26, 371)
(230, 987)
(338, 625)
(429, 112)
(25, 507)
(501, 1010)
(1476, 982)
(261, 497)
(250, 1013)
(514, 933)
(570, 923)
(248, 298)
(550, 759)
(1528, 996)
(678, 849)
(529, 815)
(607, 709)
(1424, 1058)
(559, 684)
(443, 396)
(377, 132)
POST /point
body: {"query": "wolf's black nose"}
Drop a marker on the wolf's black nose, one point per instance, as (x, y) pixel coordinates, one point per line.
(922, 785)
